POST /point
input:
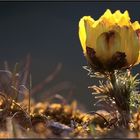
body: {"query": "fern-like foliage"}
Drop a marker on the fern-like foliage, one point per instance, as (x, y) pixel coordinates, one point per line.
(117, 92)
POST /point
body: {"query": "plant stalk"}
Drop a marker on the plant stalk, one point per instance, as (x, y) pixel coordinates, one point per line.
(121, 101)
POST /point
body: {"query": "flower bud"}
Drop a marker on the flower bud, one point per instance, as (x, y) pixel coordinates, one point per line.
(111, 42)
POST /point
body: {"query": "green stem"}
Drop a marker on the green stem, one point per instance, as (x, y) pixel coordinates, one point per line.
(120, 100)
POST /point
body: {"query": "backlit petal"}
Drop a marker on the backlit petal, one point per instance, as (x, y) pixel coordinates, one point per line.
(84, 26)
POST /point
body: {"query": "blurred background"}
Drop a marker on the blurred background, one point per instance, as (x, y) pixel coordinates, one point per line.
(49, 32)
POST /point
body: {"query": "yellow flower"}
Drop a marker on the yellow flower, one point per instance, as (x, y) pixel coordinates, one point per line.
(111, 42)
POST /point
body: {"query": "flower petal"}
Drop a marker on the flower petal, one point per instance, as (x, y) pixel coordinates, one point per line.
(108, 43)
(124, 19)
(84, 27)
(136, 25)
(117, 16)
(130, 44)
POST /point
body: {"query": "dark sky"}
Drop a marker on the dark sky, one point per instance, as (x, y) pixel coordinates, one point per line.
(49, 32)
